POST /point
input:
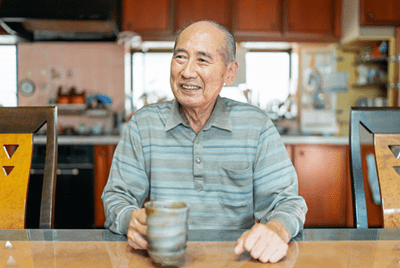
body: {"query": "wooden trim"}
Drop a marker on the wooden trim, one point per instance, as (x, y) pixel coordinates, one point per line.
(103, 157)
(337, 18)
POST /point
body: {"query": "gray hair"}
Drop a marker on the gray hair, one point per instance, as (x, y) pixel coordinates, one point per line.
(228, 51)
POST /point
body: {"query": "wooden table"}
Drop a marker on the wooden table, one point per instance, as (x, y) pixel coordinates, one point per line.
(211, 248)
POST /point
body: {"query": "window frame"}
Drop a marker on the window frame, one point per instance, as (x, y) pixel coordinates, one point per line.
(16, 76)
(170, 50)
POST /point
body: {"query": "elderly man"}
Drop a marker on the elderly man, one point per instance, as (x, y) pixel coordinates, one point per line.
(224, 158)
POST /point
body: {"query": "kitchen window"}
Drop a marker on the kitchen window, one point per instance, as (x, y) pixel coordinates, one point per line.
(268, 75)
(8, 75)
(150, 78)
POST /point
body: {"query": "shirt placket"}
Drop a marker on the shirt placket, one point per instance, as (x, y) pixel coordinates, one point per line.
(198, 176)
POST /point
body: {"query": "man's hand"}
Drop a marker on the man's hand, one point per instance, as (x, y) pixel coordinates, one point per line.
(138, 229)
(265, 242)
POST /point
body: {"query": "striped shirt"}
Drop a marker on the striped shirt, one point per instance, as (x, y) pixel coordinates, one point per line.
(234, 171)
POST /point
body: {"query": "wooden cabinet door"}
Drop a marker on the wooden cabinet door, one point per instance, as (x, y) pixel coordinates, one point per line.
(103, 155)
(289, 149)
(380, 12)
(258, 18)
(150, 18)
(314, 18)
(323, 182)
(188, 11)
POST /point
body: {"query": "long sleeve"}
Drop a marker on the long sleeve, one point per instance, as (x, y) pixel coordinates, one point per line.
(276, 184)
(128, 185)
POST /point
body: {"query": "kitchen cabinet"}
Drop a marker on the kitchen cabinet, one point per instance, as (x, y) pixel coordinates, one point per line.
(307, 20)
(254, 18)
(103, 155)
(150, 19)
(289, 149)
(187, 11)
(257, 20)
(314, 19)
(380, 12)
(324, 182)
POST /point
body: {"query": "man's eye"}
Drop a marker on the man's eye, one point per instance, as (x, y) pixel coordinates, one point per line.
(202, 60)
(179, 56)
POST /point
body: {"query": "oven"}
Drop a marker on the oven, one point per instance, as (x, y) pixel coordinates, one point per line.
(74, 202)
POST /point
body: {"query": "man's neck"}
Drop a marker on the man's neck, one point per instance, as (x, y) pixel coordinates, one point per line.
(197, 117)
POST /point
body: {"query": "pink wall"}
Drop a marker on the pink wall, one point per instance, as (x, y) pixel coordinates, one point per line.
(93, 67)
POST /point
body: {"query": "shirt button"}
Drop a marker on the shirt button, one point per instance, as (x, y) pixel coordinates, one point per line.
(198, 160)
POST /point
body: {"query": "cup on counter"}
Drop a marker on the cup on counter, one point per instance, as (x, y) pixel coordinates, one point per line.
(97, 129)
(167, 228)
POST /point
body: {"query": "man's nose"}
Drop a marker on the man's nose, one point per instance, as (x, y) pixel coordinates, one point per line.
(189, 69)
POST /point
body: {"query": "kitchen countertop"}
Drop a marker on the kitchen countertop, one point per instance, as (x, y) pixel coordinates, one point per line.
(76, 139)
(114, 139)
(327, 140)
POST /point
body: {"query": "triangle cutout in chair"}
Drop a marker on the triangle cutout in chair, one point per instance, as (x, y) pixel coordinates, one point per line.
(395, 150)
(397, 170)
(7, 170)
(10, 149)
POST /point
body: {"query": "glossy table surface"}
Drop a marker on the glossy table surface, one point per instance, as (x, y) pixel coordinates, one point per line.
(206, 248)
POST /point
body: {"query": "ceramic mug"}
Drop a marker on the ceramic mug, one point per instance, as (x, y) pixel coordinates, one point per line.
(167, 228)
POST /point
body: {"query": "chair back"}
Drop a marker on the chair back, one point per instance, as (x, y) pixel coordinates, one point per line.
(384, 124)
(17, 126)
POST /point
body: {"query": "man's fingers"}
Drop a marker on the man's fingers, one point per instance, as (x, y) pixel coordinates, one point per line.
(141, 216)
(251, 240)
(136, 241)
(273, 252)
(272, 256)
(259, 247)
(263, 243)
(239, 248)
(132, 244)
(140, 228)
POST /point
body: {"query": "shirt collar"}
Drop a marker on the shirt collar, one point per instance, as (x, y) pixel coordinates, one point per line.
(219, 117)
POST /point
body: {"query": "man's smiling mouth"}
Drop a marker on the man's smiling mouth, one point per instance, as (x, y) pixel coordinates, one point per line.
(190, 87)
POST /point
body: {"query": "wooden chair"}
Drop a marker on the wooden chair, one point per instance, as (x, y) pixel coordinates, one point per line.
(384, 124)
(17, 126)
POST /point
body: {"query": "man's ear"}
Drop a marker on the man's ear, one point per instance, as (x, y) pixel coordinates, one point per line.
(232, 69)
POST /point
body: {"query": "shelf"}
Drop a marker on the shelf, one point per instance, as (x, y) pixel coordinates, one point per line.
(97, 112)
(376, 85)
(71, 109)
(360, 43)
(81, 109)
(373, 60)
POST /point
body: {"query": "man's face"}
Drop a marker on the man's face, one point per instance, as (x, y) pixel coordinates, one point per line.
(198, 71)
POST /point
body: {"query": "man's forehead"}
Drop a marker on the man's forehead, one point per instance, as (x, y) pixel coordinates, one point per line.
(197, 52)
(201, 41)
(202, 30)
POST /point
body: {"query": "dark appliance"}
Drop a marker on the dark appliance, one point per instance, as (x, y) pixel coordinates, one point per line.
(62, 20)
(74, 204)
